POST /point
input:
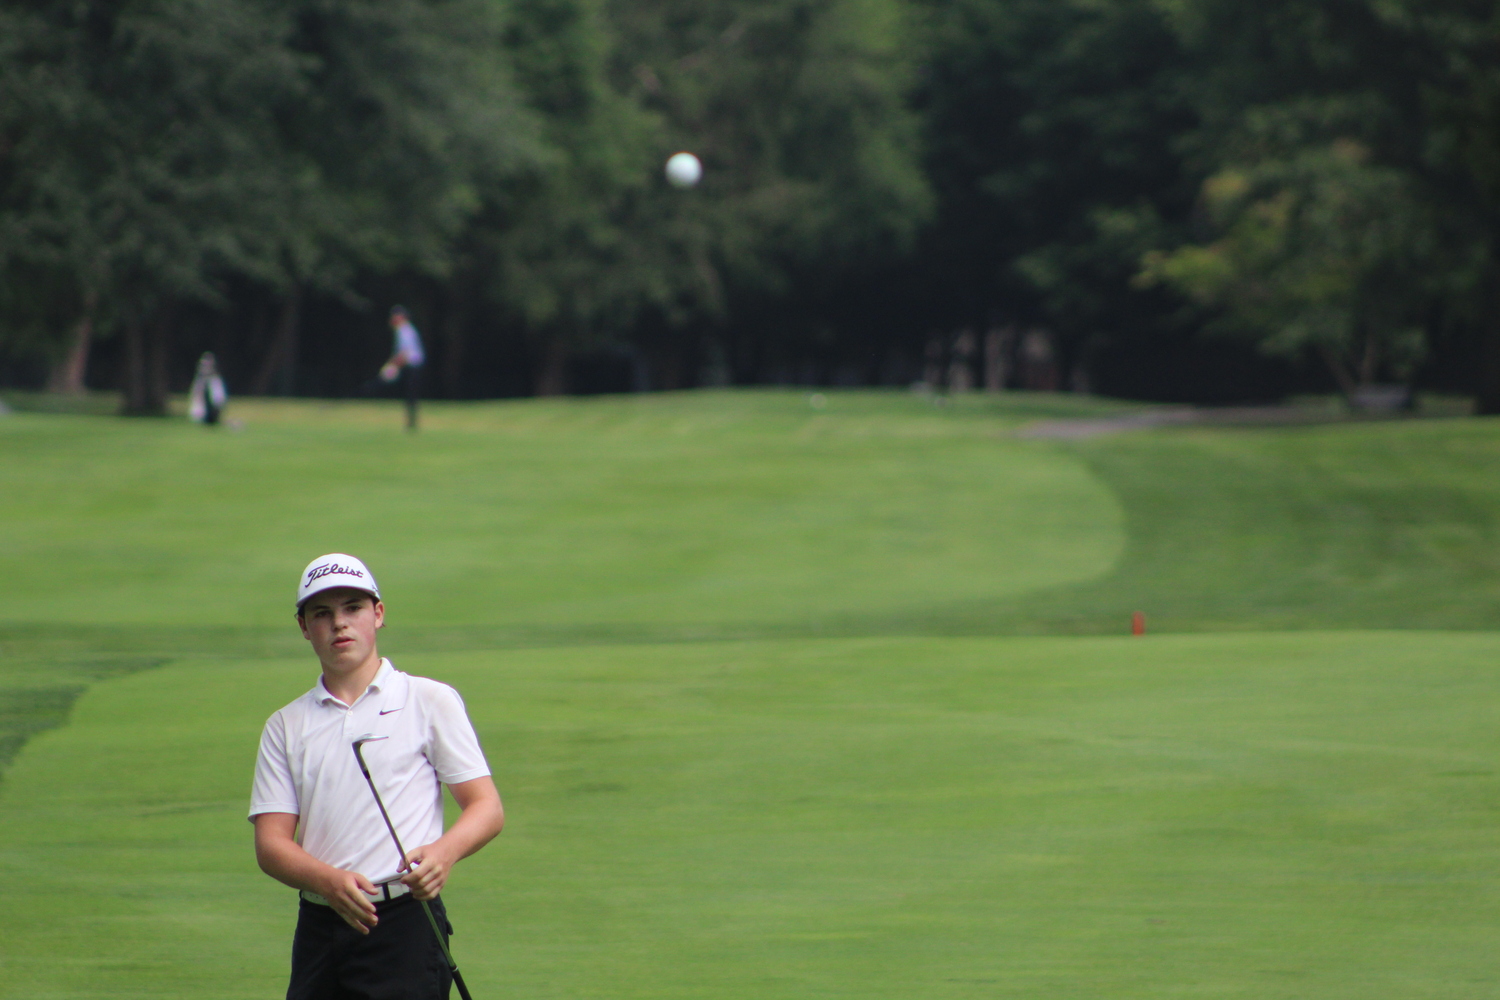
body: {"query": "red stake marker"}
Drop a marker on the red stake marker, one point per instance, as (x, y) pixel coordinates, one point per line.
(1137, 623)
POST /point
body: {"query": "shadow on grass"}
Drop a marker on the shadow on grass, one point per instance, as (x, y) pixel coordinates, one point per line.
(24, 712)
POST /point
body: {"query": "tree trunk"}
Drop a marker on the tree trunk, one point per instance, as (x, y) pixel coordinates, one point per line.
(1340, 371)
(133, 382)
(1487, 399)
(147, 349)
(932, 367)
(158, 356)
(281, 356)
(1369, 365)
(454, 344)
(552, 379)
(667, 366)
(67, 376)
(290, 333)
(961, 362)
(996, 352)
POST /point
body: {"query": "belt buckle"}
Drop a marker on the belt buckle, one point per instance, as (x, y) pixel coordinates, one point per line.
(388, 894)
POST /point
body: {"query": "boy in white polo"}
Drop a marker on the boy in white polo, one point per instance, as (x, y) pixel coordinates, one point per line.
(318, 828)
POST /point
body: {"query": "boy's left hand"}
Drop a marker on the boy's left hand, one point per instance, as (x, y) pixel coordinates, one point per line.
(429, 867)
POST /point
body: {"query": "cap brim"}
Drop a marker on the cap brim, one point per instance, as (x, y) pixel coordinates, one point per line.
(336, 586)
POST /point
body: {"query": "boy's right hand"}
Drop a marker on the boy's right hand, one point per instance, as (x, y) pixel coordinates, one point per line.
(346, 893)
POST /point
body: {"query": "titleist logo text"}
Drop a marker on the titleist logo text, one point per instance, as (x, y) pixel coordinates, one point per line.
(318, 572)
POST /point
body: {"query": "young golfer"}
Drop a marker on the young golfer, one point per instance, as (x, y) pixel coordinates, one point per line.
(360, 933)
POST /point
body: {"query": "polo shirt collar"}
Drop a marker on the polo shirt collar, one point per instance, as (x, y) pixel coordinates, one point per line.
(383, 680)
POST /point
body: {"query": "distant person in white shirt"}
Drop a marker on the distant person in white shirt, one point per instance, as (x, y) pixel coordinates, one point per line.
(360, 933)
(206, 397)
(406, 361)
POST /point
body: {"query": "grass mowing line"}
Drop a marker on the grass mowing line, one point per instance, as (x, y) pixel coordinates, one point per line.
(1376, 525)
(1253, 815)
(26, 711)
(37, 693)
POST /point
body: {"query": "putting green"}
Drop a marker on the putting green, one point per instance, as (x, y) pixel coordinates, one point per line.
(1255, 815)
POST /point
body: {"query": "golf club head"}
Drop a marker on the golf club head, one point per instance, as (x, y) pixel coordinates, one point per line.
(358, 745)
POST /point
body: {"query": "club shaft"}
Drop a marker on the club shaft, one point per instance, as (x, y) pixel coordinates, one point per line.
(437, 931)
(400, 851)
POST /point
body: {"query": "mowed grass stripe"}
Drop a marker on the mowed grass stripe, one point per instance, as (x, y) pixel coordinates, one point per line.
(1255, 815)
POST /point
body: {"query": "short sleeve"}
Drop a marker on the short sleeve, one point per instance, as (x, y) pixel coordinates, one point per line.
(452, 745)
(274, 790)
(409, 342)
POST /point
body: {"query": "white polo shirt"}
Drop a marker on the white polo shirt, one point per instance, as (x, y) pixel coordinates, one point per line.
(306, 767)
(410, 343)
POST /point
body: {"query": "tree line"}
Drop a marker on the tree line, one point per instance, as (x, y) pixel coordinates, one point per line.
(1174, 199)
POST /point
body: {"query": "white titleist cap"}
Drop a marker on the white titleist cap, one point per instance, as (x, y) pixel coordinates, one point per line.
(335, 570)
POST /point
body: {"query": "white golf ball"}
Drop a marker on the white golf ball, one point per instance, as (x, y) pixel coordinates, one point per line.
(684, 170)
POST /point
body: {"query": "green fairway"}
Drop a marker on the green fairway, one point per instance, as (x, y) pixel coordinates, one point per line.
(1251, 816)
(784, 700)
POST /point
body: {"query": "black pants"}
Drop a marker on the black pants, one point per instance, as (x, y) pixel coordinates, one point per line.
(398, 960)
(411, 386)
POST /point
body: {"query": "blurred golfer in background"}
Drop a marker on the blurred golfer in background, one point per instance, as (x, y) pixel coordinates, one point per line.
(406, 362)
(207, 396)
(360, 933)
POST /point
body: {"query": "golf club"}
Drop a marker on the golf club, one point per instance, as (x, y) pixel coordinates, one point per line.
(458, 980)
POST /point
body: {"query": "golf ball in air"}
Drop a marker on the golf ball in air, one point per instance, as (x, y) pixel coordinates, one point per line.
(684, 170)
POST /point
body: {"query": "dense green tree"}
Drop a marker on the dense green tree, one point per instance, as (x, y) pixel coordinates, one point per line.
(1317, 250)
(554, 249)
(812, 160)
(1313, 176)
(1334, 218)
(137, 137)
(1457, 52)
(1052, 131)
(157, 147)
(403, 115)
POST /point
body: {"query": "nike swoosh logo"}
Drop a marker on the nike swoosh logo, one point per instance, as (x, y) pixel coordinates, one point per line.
(388, 711)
